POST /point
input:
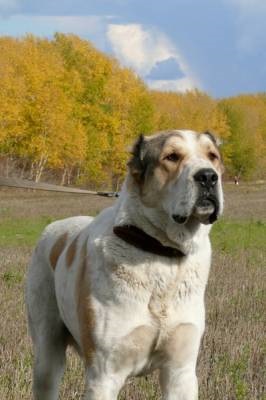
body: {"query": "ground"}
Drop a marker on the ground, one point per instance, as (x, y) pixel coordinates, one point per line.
(231, 364)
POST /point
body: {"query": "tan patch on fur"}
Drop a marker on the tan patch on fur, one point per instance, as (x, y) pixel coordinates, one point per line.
(129, 277)
(133, 347)
(71, 252)
(85, 312)
(207, 150)
(167, 170)
(57, 249)
(163, 171)
(182, 345)
(166, 173)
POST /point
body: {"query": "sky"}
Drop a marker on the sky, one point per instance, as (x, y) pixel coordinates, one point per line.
(217, 46)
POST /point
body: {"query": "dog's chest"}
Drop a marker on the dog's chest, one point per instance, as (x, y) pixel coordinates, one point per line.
(160, 287)
(148, 303)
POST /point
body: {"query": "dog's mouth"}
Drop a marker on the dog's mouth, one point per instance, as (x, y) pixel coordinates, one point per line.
(206, 211)
(180, 219)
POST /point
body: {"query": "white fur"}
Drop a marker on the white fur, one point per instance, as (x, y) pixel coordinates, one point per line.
(148, 310)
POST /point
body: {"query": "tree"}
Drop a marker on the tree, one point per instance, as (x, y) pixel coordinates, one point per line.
(246, 117)
(68, 108)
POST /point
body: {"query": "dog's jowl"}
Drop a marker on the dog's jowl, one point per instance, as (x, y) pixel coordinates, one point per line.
(126, 288)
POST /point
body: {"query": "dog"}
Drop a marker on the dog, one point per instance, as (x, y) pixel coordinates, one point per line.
(126, 288)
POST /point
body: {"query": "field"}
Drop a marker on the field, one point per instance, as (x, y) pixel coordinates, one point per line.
(231, 364)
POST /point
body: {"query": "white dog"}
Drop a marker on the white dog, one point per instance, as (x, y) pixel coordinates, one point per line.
(127, 287)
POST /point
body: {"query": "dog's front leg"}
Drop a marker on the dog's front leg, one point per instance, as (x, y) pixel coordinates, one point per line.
(179, 383)
(102, 386)
(177, 376)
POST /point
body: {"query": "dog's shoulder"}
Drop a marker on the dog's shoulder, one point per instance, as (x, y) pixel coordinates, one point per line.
(57, 234)
(67, 225)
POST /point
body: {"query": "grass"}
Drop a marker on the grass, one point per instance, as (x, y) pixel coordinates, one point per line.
(226, 235)
(231, 363)
(21, 231)
(230, 236)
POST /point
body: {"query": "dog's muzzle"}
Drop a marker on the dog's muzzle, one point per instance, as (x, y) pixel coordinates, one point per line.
(206, 208)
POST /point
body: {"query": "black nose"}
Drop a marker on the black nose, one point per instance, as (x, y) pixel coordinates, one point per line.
(206, 177)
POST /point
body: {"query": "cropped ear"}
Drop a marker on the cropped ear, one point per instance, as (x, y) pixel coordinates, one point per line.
(136, 164)
(216, 141)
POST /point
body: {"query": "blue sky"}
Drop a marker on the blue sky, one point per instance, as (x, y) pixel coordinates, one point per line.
(218, 46)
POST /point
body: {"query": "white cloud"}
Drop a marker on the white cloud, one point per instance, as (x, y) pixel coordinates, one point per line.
(141, 49)
(138, 48)
(172, 85)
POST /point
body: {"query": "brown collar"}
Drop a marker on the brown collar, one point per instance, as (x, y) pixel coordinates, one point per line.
(136, 237)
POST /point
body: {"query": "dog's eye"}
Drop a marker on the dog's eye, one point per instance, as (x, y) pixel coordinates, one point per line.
(172, 157)
(212, 156)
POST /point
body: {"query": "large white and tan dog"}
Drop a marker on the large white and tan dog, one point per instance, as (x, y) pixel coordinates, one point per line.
(127, 287)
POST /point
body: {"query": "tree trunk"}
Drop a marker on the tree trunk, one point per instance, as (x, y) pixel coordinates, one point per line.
(69, 176)
(40, 168)
(7, 167)
(78, 174)
(63, 179)
(32, 169)
(24, 164)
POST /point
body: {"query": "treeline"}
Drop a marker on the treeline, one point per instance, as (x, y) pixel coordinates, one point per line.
(69, 112)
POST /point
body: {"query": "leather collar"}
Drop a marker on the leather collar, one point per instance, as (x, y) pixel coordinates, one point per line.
(141, 240)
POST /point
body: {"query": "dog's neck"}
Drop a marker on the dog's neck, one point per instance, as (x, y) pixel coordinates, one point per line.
(131, 211)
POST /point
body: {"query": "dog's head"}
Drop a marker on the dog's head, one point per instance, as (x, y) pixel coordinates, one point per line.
(179, 172)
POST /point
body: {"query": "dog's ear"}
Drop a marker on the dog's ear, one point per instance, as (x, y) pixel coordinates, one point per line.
(136, 163)
(216, 141)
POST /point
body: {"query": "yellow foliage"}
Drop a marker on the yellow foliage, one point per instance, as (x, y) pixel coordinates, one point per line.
(68, 107)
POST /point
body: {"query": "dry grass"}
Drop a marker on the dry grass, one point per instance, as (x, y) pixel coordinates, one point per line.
(232, 360)
(246, 201)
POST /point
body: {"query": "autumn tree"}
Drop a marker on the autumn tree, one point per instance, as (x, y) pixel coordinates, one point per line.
(40, 123)
(12, 95)
(68, 108)
(246, 117)
(114, 106)
(191, 110)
